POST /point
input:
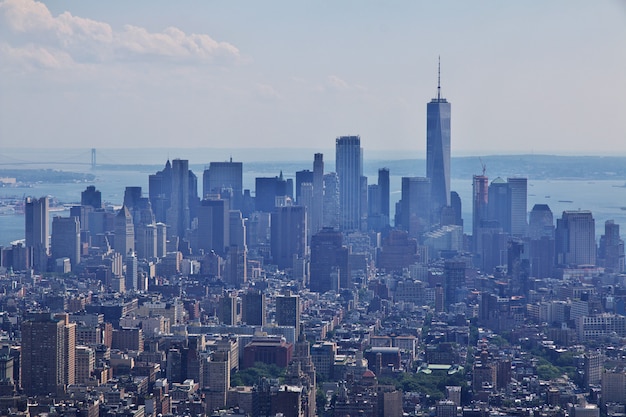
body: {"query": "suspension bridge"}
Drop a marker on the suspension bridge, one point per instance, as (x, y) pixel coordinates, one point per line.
(84, 158)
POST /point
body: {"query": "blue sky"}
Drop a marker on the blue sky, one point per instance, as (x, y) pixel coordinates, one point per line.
(522, 77)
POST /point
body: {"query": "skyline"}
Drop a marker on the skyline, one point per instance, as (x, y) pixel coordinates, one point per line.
(80, 74)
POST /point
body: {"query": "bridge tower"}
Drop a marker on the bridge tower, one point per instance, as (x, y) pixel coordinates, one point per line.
(93, 158)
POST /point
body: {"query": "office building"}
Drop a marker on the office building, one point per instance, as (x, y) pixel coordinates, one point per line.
(454, 275)
(288, 310)
(124, 241)
(438, 150)
(480, 201)
(146, 241)
(66, 239)
(178, 214)
(213, 232)
(36, 218)
(414, 211)
(316, 212)
(253, 308)
(575, 238)
(499, 208)
(330, 214)
(228, 309)
(302, 177)
(132, 278)
(224, 178)
(288, 235)
(349, 168)
(611, 250)
(268, 189)
(384, 193)
(541, 222)
(519, 206)
(91, 197)
(330, 268)
(47, 356)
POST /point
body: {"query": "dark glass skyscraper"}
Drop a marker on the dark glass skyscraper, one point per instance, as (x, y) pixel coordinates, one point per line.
(438, 151)
(349, 167)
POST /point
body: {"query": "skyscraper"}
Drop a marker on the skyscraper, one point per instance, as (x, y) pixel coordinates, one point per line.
(519, 214)
(66, 239)
(414, 213)
(222, 176)
(330, 269)
(124, 232)
(36, 213)
(178, 214)
(316, 213)
(612, 247)
(480, 200)
(349, 167)
(576, 238)
(91, 197)
(330, 214)
(288, 310)
(288, 235)
(438, 150)
(253, 307)
(213, 226)
(384, 191)
(47, 358)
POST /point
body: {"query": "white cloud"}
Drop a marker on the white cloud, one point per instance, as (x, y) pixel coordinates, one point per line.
(34, 57)
(266, 91)
(34, 30)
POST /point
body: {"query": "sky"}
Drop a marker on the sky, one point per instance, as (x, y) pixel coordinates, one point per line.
(522, 77)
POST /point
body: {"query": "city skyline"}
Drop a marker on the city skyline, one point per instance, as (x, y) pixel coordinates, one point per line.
(79, 74)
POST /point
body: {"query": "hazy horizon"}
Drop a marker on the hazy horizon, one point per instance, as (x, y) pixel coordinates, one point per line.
(523, 78)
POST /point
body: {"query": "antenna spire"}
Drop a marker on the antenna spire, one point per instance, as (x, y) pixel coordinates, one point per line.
(439, 79)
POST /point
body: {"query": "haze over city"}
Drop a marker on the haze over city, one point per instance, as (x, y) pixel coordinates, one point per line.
(532, 77)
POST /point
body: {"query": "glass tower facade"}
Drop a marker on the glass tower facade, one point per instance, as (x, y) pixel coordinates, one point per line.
(438, 151)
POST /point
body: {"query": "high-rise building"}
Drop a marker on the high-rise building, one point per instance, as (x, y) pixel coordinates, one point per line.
(66, 239)
(223, 178)
(316, 212)
(178, 213)
(480, 200)
(414, 210)
(288, 235)
(349, 168)
(304, 176)
(330, 268)
(611, 249)
(132, 278)
(576, 238)
(253, 308)
(268, 189)
(330, 215)
(288, 310)
(541, 222)
(91, 197)
(124, 232)
(438, 150)
(499, 208)
(519, 206)
(36, 212)
(160, 192)
(228, 309)
(214, 226)
(454, 275)
(384, 192)
(47, 357)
